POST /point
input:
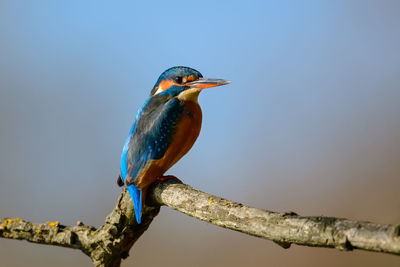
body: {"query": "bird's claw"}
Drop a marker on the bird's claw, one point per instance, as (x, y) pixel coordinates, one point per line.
(167, 177)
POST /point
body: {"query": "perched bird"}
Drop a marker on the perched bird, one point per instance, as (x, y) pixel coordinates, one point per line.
(165, 128)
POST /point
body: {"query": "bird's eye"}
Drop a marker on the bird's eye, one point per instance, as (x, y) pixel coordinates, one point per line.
(178, 79)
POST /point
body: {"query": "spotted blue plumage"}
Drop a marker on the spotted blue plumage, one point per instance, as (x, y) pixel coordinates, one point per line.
(147, 151)
(149, 141)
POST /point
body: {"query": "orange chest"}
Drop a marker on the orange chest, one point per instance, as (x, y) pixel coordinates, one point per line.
(186, 132)
(188, 129)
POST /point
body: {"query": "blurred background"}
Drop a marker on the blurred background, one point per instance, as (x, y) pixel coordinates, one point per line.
(309, 124)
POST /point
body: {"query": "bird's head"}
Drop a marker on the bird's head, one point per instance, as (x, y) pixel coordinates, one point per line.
(183, 82)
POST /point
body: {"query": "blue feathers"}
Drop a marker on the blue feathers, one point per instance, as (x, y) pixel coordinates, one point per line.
(152, 133)
(148, 140)
(124, 164)
(136, 195)
(154, 130)
(165, 119)
(173, 72)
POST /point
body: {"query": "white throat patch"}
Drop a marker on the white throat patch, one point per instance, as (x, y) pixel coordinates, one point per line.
(190, 94)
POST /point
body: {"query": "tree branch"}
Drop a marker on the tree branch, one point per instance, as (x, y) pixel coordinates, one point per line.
(106, 246)
(282, 228)
(49, 233)
(110, 243)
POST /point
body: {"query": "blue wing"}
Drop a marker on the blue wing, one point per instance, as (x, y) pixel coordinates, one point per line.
(149, 139)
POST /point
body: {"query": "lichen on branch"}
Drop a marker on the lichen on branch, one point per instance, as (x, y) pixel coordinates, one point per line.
(110, 243)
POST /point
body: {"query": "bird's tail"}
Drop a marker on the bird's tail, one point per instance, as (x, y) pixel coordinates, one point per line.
(136, 195)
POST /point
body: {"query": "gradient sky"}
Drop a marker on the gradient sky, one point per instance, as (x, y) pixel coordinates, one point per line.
(309, 124)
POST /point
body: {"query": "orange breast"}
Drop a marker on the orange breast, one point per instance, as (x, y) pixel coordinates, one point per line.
(187, 131)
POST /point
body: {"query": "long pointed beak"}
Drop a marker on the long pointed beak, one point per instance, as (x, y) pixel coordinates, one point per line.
(207, 83)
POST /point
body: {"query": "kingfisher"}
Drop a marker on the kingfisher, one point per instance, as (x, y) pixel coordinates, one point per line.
(164, 130)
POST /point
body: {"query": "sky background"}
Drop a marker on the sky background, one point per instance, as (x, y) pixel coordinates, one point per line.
(309, 124)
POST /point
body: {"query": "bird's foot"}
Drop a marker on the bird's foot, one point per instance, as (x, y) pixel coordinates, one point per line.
(167, 177)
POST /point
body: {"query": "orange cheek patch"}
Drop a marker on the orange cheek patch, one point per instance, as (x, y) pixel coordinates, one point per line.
(190, 78)
(165, 84)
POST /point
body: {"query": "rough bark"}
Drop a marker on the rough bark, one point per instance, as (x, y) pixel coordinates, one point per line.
(110, 243)
(282, 228)
(106, 246)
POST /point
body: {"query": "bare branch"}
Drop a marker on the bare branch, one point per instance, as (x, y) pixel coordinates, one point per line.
(282, 228)
(49, 233)
(110, 243)
(106, 246)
